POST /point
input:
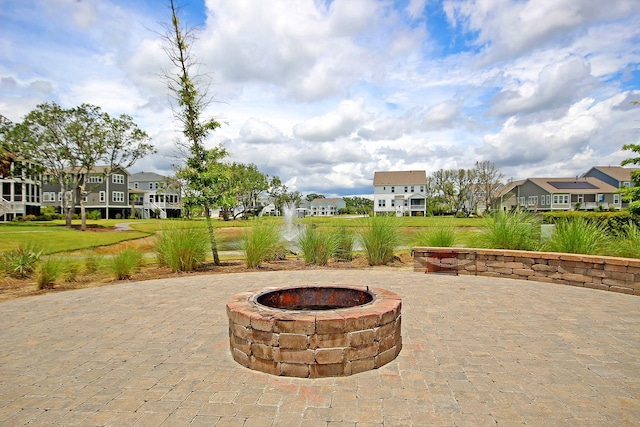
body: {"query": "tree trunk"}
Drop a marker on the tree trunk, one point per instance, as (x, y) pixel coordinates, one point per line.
(83, 212)
(212, 236)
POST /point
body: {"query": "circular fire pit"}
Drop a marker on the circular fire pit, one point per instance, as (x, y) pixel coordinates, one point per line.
(315, 331)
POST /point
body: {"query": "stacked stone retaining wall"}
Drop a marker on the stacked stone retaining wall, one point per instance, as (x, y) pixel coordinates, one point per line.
(598, 272)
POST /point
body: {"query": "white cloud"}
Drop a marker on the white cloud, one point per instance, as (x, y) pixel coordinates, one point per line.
(328, 127)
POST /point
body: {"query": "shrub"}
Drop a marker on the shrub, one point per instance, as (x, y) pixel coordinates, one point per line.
(260, 243)
(47, 273)
(578, 236)
(92, 264)
(380, 239)
(182, 248)
(505, 230)
(21, 261)
(345, 241)
(316, 245)
(125, 263)
(71, 272)
(627, 243)
(94, 214)
(443, 237)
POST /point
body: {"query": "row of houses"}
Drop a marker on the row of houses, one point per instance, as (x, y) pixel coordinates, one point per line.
(403, 192)
(114, 195)
(117, 194)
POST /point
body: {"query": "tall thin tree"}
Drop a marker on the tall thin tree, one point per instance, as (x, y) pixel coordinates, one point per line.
(203, 171)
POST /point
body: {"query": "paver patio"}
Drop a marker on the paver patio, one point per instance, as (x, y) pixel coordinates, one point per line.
(477, 351)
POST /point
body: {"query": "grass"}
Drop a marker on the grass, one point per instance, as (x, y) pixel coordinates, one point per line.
(125, 263)
(443, 236)
(578, 236)
(380, 238)
(345, 242)
(182, 248)
(518, 231)
(56, 239)
(261, 242)
(47, 273)
(628, 244)
(317, 244)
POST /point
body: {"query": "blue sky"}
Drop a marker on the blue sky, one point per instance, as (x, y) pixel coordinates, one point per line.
(323, 94)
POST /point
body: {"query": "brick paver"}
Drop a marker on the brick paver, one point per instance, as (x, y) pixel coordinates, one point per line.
(477, 352)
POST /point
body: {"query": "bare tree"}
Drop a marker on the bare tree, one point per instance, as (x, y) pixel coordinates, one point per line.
(488, 181)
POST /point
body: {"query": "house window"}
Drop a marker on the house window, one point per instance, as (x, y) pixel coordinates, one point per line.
(626, 184)
(393, 202)
(135, 185)
(153, 186)
(616, 199)
(117, 196)
(548, 199)
(393, 189)
(560, 199)
(580, 198)
(60, 196)
(117, 178)
(382, 203)
(101, 197)
(412, 189)
(405, 189)
(522, 200)
(49, 196)
(600, 198)
(95, 179)
(422, 188)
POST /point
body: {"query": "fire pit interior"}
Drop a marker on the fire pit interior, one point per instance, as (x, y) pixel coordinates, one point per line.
(315, 331)
(315, 298)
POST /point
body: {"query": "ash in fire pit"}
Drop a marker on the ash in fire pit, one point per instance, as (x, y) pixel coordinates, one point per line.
(315, 331)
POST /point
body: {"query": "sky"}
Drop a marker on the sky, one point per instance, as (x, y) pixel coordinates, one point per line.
(324, 93)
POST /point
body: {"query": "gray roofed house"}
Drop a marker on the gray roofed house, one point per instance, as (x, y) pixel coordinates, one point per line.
(161, 197)
(400, 192)
(584, 193)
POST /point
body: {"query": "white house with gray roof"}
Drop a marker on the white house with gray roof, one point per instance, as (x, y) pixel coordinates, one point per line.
(400, 193)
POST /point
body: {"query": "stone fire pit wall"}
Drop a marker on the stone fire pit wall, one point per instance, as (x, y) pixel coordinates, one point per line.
(315, 343)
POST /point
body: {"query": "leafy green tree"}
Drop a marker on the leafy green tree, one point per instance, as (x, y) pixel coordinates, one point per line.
(69, 143)
(632, 195)
(358, 205)
(7, 157)
(249, 184)
(204, 175)
(312, 196)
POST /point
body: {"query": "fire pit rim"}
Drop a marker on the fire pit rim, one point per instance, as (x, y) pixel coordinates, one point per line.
(255, 296)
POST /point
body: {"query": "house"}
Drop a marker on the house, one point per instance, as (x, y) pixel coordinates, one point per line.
(108, 192)
(580, 193)
(508, 196)
(155, 195)
(400, 192)
(20, 190)
(326, 207)
(616, 176)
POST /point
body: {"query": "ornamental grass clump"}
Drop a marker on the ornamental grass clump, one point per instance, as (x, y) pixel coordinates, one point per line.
(627, 243)
(181, 248)
(47, 273)
(578, 236)
(125, 263)
(441, 237)
(517, 231)
(380, 238)
(261, 242)
(316, 245)
(21, 262)
(345, 242)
